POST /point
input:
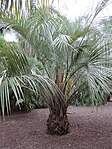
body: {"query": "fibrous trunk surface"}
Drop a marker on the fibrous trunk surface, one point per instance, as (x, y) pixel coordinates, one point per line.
(58, 125)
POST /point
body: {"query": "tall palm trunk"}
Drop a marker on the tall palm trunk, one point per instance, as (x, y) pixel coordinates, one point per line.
(57, 122)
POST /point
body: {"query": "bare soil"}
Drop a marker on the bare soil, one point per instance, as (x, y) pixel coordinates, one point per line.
(91, 128)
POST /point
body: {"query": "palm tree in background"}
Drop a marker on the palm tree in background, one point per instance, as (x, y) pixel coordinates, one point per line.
(15, 5)
(75, 56)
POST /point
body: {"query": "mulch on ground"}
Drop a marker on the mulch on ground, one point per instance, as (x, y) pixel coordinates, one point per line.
(91, 128)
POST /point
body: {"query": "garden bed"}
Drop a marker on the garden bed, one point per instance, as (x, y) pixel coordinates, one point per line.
(91, 128)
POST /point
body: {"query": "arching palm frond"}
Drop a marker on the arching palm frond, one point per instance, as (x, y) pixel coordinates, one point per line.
(91, 69)
(15, 76)
(13, 65)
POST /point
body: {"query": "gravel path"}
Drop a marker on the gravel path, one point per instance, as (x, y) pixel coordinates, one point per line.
(91, 128)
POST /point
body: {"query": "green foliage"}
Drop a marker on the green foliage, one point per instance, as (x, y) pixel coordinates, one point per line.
(33, 101)
(77, 48)
(17, 83)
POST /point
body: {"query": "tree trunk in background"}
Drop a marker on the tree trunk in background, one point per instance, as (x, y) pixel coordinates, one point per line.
(59, 78)
(57, 122)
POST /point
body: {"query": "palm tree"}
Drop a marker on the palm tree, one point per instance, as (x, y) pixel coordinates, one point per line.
(73, 55)
(23, 7)
(16, 75)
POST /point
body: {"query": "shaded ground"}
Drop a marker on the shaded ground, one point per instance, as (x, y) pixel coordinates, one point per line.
(91, 128)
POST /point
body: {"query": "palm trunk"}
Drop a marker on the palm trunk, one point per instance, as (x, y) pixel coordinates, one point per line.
(57, 122)
(59, 78)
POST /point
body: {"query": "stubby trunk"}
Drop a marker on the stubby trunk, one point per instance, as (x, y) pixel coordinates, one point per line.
(58, 123)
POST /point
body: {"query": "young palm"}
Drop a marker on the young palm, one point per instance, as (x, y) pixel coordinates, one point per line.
(79, 52)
